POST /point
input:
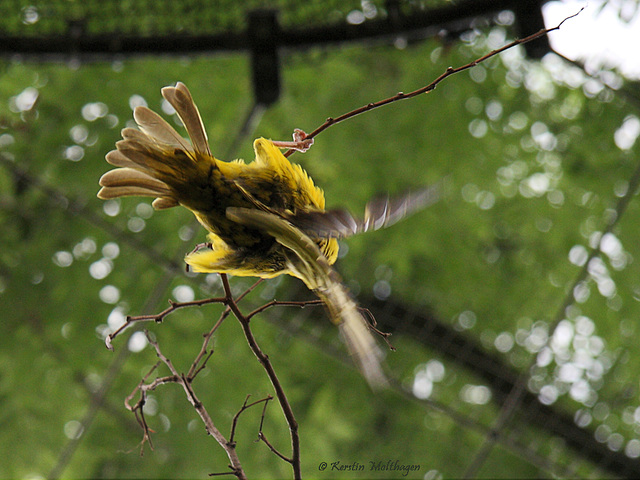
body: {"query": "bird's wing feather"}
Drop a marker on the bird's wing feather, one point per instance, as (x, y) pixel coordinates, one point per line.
(380, 212)
(309, 264)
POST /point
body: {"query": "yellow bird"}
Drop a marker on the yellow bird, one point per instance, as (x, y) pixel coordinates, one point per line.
(264, 218)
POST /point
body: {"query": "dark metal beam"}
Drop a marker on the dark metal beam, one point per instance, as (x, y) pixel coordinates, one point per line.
(76, 43)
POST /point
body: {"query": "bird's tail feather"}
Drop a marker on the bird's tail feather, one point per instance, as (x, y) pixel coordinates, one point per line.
(154, 160)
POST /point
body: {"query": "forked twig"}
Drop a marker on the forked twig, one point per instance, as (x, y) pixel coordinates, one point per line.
(371, 320)
(246, 406)
(196, 366)
(138, 408)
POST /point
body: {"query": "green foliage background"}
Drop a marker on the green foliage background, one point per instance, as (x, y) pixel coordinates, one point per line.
(495, 250)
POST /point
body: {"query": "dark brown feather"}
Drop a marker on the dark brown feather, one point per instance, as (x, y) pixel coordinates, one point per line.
(380, 212)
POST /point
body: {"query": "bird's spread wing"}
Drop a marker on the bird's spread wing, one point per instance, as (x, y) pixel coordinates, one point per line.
(309, 264)
(380, 212)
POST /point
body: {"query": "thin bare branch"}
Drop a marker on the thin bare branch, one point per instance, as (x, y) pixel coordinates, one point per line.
(244, 407)
(190, 375)
(266, 363)
(262, 437)
(196, 366)
(138, 409)
(273, 303)
(220, 474)
(212, 430)
(158, 317)
(373, 326)
(428, 88)
(204, 355)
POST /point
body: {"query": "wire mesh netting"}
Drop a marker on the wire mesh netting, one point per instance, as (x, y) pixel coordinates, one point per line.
(186, 18)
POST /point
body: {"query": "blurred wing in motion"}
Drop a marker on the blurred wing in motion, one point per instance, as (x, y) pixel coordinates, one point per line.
(380, 212)
(307, 262)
